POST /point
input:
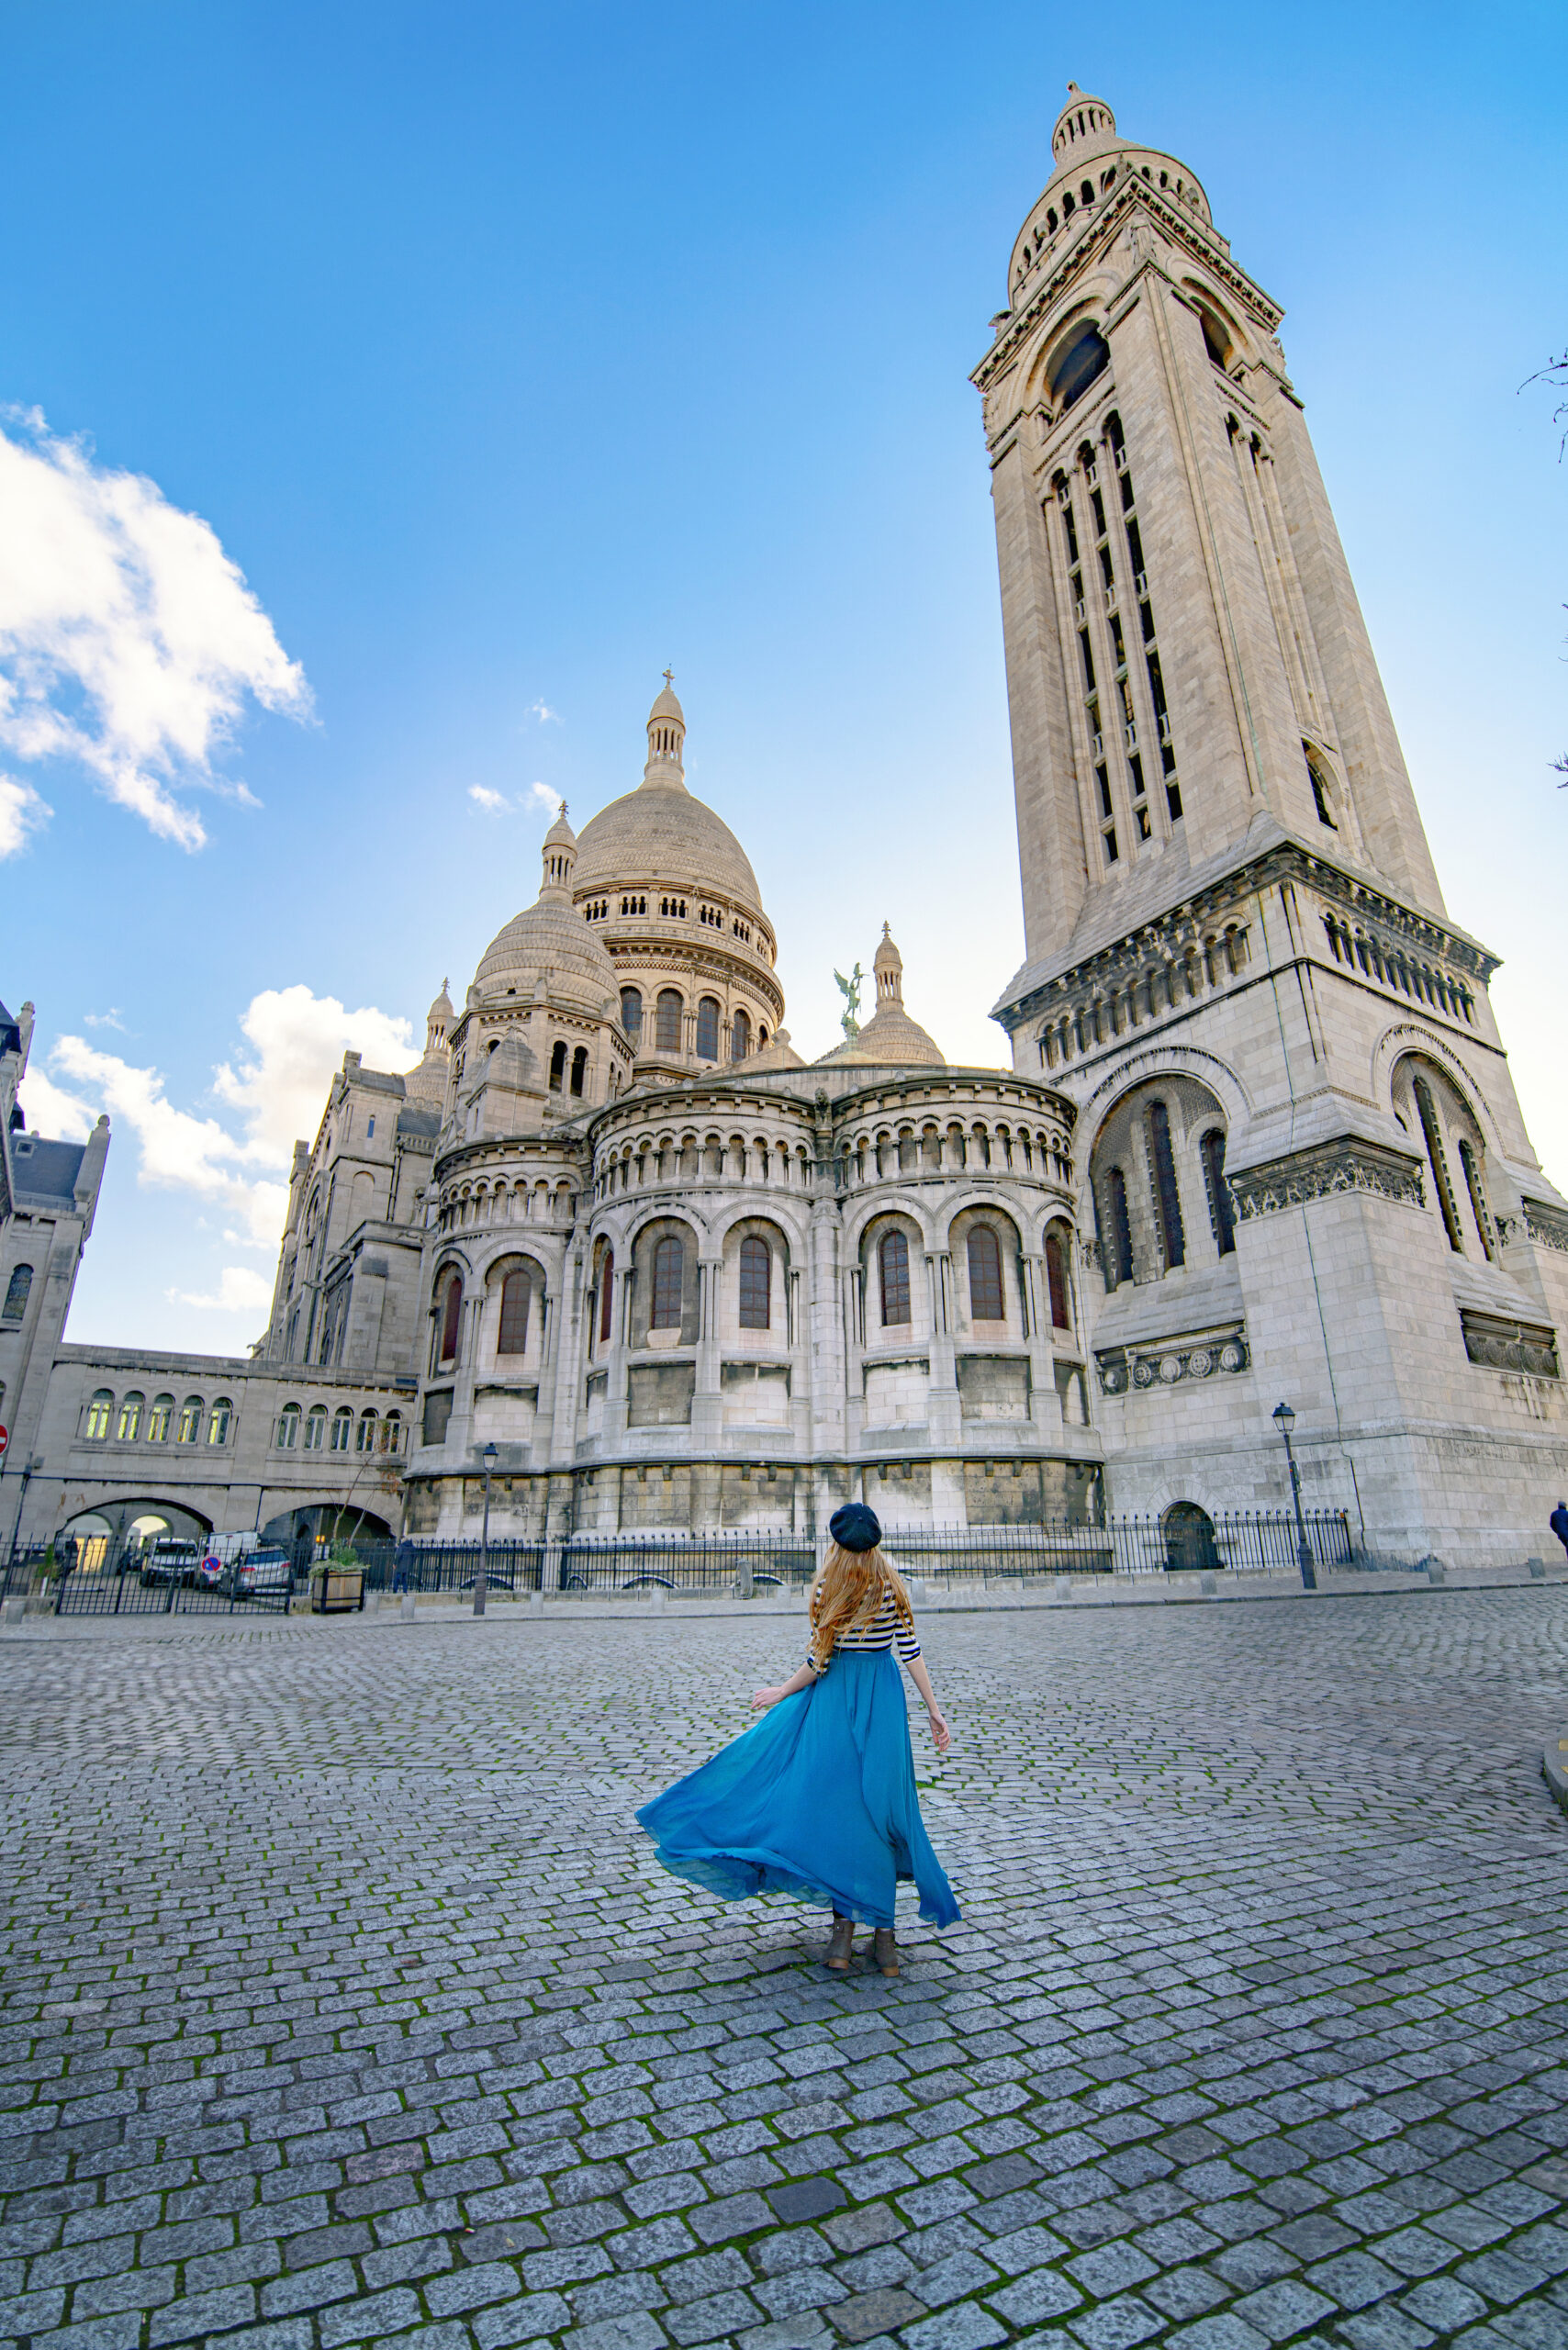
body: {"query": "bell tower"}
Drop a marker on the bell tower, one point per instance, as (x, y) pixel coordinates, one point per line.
(1238, 961)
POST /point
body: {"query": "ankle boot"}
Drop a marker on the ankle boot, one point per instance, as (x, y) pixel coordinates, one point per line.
(840, 1943)
(885, 1950)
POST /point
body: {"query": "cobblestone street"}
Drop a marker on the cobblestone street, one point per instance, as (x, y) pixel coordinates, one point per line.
(344, 2003)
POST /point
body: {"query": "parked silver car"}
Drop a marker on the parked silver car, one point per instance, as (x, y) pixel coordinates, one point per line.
(258, 1574)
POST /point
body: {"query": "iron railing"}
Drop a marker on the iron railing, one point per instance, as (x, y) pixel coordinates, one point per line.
(748, 1562)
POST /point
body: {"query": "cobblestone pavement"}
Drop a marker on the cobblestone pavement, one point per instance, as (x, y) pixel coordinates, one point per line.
(342, 2002)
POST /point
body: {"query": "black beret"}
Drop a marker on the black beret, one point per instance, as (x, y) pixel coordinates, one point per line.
(855, 1528)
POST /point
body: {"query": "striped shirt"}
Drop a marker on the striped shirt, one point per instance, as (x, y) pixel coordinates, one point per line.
(886, 1629)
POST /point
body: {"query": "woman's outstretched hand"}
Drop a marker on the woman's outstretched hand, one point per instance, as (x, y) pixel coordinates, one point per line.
(764, 1698)
(940, 1732)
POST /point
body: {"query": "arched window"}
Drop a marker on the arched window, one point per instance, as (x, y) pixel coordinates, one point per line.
(288, 1428)
(892, 1261)
(557, 1064)
(1473, 1184)
(1322, 790)
(17, 1290)
(1120, 1236)
(1056, 1281)
(579, 1069)
(666, 1022)
(1167, 1201)
(1087, 357)
(364, 1435)
(740, 1037)
(342, 1426)
(511, 1338)
(129, 1427)
(1433, 1137)
(605, 1295)
(757, 1283)
(631, 1012)
(669, 1269)
(160, 1419)
(451, 1318)
(391, 1437)
(189, 1429)
(762, 1040)
(218, 1420)
(708, 1029)
(100, 1411)
(315, 1429)
(1212, 1149)
(986, 1302)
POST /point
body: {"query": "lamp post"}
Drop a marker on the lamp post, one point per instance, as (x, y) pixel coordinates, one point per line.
(1284, 1420)
(489, 1457)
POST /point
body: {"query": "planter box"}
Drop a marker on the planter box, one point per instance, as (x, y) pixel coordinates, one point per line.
(334, 1590)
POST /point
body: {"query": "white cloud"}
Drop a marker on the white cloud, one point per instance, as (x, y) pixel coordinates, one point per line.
(544, 714)
(21, 812)
(299, 1039)
(128, 640)
(177, 1151)
(109, 1019)
(538, 796)
(240, 1291)
(52, 1111)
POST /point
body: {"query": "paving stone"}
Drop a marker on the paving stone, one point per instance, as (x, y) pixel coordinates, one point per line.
(1320, 2095)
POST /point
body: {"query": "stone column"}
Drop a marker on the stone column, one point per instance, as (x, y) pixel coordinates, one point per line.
(707, 1404)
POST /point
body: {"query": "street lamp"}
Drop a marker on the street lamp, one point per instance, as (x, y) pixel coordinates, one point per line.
(1284, 1420)
(489, 1457)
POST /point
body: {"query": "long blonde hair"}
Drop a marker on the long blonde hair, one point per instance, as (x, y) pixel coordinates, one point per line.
(846, 1593)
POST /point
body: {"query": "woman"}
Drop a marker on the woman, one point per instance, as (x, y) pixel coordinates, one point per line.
(818, 1800)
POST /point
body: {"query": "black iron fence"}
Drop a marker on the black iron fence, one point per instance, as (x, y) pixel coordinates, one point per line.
(740, 1563)
(133, 1582)
(747, 1562)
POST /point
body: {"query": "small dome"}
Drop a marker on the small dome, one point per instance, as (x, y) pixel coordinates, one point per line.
(550, 938)
(891, 1035)
(440, 1010)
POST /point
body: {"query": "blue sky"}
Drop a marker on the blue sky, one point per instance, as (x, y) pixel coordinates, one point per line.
(512, 352)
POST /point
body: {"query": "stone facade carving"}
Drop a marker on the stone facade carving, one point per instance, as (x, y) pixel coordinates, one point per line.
(1549, 1225)
(1316, 1174)
(1511, 1346)
(1219, 1352)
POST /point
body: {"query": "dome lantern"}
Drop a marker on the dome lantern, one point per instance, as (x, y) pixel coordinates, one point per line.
(667, 739)
(560, 856)
(1085, 126)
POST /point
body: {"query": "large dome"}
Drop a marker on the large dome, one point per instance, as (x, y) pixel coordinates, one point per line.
(659, 832)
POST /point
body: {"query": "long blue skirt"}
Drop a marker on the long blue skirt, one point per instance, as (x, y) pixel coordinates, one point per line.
(816, 1799)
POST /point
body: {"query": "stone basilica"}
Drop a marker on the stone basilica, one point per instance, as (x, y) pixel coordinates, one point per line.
(1259, 1142)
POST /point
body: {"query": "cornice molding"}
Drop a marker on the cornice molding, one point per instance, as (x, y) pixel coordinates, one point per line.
(1184, 925)
(1132, 195)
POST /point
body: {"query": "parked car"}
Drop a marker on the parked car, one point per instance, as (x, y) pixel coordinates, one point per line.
(171, 1561)
(258, 1574)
